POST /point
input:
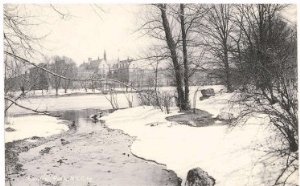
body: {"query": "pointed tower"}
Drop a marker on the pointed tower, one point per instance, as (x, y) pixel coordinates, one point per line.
(104, 55)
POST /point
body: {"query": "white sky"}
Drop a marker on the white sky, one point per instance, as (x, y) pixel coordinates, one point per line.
(89, 31)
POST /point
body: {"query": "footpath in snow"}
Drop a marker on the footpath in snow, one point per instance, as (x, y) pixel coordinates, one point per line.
(227, 155)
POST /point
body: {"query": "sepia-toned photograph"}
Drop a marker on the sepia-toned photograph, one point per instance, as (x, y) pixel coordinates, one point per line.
(161, 94)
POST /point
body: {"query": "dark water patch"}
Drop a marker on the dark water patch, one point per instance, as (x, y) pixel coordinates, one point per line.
(84, 118)
(74, 115)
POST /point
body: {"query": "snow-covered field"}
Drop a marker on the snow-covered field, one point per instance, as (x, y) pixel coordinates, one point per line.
(75, 102)
(34, 125)
(232, 157)
(83, 100)
(72, 102)
(60, 92)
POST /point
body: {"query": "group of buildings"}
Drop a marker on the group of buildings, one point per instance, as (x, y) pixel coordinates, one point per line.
(102, 73)
(127, 71)
(137, 73)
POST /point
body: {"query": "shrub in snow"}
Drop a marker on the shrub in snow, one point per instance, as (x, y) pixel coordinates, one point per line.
(207, 92)
(64, 142)
(225, 116)
(162, 99)
(221, 91)
(35, 138)
(9, 129)
(198, 177)
(203, 98)
(46, 150)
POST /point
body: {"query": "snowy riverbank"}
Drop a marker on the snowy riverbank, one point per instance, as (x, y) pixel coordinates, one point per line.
(232, 157)
(72, 102)
(101, 157)
(19, 128)
(94, 155)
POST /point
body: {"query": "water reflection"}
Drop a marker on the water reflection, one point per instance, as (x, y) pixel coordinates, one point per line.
(82, 120)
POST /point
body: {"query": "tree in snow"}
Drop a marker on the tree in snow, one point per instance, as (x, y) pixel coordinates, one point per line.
(70, 72)
(172, 26)
(217, 31)
(24, 49)
(38, 78)
(266, 54)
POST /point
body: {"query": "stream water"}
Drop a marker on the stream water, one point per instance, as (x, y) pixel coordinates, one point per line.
(82, 120)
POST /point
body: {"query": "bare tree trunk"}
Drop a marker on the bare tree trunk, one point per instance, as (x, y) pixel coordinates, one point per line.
(219, 30)
(185, 59)
(227, 69)
(172, 47)
(155, 88)
(67, 85)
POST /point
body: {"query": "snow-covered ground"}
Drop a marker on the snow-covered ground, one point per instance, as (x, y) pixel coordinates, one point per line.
(33, 125)
(52, 92)
(232, 157)
(227, 155)
(83, 101)
(72, 102)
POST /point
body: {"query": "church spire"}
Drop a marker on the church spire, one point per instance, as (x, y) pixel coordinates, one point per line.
(104, 55)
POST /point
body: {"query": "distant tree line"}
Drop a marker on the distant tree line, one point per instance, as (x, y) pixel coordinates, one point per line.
(35, 78)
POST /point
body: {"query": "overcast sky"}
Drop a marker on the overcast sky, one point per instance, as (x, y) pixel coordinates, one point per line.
(89, 30)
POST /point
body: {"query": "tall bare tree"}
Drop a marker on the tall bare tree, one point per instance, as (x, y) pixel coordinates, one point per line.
(173, 50)
(173, 26)
(218, 29)
(65, 67)
(71, 71)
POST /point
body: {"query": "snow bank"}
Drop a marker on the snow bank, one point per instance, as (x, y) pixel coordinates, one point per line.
(73, 102)
(83, 101)
(52, 92)
(34, 125)
(215, 104)
(230, 156)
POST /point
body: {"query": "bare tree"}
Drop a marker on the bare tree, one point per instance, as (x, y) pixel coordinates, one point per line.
(71, 71)
(58, 67)
(113, 98)
(218, 29)
(38, 78)
(172, 26)
(20, 43)
(185, 55)
(266, 54)
(173, 50)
